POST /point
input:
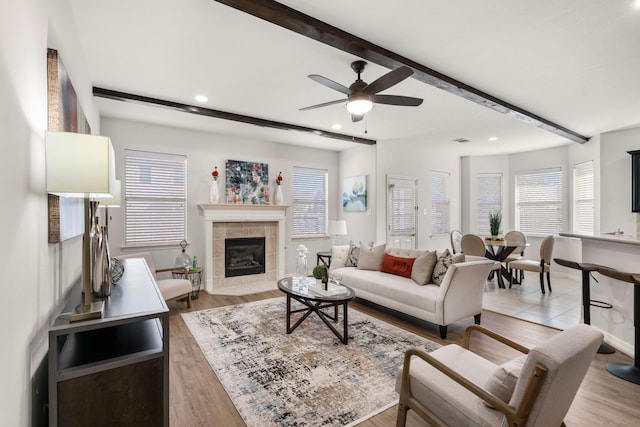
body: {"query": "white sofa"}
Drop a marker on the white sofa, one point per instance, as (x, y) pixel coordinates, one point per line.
(457, 297)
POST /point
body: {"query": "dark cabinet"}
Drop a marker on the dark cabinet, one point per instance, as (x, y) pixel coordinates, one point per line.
(113, 371)
(635, 180)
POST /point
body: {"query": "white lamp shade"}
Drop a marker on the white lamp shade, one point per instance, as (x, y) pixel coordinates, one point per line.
(338, 227)
(79, 164)
(112, 202)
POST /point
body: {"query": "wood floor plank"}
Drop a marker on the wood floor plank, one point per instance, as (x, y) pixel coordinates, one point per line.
(198, 399)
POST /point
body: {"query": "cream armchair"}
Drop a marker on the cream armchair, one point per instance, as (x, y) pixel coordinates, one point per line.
(169, 288)
(454, 386)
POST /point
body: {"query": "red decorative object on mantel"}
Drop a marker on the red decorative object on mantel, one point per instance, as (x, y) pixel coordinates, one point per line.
(279, 178)
(214, 174)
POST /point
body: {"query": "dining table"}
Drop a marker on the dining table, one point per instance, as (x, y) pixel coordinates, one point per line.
(498, 249)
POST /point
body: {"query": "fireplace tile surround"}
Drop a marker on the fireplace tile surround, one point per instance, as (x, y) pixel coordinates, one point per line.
(230, 221)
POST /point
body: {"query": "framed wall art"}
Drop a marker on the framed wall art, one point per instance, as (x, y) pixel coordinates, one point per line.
(354, 194)
(64, 114)
(247, 183)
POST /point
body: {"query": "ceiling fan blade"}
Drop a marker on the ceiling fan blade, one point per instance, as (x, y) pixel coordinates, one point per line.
(406, 101)
(324, 104)
(330, 83)
(388, 80)
(356, 117)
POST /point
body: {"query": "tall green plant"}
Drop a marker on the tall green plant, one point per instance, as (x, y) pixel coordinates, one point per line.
(495, 218)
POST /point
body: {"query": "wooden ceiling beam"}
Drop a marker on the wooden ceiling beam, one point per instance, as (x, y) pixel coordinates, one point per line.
(308, 26)
(208, 112)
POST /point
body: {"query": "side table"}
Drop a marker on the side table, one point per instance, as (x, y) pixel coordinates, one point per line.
(324, 258)
(195, 277)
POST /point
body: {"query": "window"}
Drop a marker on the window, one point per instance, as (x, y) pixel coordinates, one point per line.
(155, 198)
(309, 202)
(489, 199)
(539, 201)
(583, 209)
(439, 203)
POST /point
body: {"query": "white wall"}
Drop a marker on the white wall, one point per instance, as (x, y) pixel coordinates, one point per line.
(615, 180)
(416, 158)
(37, 275)
(204, 151)
(359, 161)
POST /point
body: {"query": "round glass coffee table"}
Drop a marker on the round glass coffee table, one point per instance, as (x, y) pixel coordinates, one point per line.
(311, 294)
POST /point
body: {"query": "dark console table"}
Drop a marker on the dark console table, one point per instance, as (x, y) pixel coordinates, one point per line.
(113, 370)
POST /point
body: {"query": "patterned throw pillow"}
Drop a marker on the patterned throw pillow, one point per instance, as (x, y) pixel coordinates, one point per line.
(441, 267)
(354, 253)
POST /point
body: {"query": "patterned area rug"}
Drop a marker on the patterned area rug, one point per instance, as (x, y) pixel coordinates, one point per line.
(307, 378)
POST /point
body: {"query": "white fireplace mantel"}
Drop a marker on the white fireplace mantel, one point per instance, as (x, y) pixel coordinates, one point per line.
(242, 213)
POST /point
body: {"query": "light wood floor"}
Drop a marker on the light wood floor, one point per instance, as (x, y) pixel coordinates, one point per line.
(198, 399)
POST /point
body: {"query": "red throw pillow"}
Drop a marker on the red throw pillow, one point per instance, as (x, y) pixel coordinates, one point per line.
(397, 265)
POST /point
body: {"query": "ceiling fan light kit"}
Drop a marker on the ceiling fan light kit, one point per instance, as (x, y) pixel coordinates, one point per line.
(359, 105)
(361, 97)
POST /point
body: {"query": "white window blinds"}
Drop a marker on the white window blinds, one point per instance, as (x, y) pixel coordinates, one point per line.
(401, 207)
(155, 198)
(539, 201)
(309, 202)
(489, 199)
(583, 209)
(439, 203)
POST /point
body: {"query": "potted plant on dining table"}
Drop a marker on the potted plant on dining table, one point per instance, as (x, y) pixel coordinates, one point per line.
(495, 218)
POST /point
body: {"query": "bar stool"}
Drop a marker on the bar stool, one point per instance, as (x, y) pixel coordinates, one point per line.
(627, 372)
(587, 302)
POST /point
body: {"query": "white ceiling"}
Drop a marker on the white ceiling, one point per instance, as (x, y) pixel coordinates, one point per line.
(573, 62)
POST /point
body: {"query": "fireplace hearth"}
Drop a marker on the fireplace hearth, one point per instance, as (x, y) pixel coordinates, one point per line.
(244, 256)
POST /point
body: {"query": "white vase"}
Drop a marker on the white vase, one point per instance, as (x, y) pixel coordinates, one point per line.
(278, 197)
(214, 195)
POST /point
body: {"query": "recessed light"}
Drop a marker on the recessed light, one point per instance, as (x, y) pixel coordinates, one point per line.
(201, 98)
(635, 4)
(336, 126)
(493, 138)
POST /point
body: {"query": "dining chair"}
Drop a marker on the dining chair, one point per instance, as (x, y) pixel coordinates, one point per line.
(542, 266)
(473, 245)
(515, 236)
(454, 237)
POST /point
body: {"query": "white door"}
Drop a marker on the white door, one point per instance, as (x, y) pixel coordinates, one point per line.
(402, 205)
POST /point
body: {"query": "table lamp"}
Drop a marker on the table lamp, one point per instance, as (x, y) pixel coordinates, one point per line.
(337, 228)
(80, 165)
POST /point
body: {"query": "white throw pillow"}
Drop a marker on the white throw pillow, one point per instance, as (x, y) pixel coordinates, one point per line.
(503, 381)
(339, 255)
(423, 267)
(371, 257)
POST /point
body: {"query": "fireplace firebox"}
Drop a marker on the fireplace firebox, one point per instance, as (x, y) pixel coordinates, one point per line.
(244, 256)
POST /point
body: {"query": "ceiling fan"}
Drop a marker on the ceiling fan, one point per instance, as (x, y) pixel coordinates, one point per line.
(362, 96)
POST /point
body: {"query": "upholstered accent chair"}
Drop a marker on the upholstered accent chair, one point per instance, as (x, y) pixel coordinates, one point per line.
(454, 386)
(541, 266)
(169, 288)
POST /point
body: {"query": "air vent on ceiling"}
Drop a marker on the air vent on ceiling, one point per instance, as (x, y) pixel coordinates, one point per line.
(461, 140)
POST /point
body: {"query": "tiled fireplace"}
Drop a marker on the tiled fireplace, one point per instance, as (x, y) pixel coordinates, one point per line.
(224, 222)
